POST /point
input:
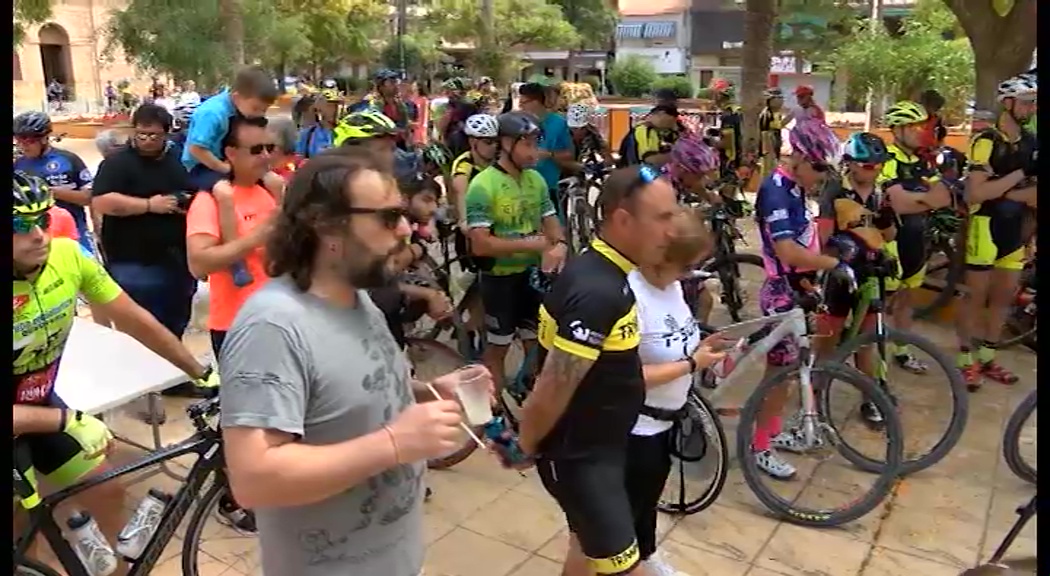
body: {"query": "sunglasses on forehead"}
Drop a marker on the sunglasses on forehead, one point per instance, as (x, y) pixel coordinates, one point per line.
(25, 223)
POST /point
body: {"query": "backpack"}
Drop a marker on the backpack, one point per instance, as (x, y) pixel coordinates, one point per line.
(628, 150)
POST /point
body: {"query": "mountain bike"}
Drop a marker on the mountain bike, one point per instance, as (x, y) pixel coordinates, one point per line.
(946, 256)
(871, 299)
(1016, 434)
(580, 217)
(1022, 319)
(816, 431)
(206, 444)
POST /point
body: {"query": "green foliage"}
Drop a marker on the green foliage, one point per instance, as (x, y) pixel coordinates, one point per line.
(920, 58)
(422, 55)
(594, 20)
(595, 83)
(632, 76)
(813, 28)
(681, 85)
(533, 23)
(27, 13)
(186, 39)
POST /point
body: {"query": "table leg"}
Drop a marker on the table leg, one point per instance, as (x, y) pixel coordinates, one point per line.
(152, 401)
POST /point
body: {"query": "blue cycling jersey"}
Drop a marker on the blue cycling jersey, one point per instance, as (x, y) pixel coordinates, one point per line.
(781, 213)
(61, 169)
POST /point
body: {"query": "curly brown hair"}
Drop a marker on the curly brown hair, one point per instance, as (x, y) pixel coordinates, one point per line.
(316, 201)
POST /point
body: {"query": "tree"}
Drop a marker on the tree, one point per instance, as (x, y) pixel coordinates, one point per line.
(759, 19)
(632, 76)
(28, 13)
(233, 18)
(422, 55)
(923, 56)
(1003, 36)
(522, 23)
(594, 20)
(811, 29)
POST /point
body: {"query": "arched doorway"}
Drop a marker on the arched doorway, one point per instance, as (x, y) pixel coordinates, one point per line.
(56, 57)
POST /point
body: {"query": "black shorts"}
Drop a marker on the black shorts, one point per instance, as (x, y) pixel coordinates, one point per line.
(593, 495)
(512, 306)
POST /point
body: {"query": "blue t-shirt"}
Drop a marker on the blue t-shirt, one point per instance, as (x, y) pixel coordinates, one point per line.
(555, 138)
(313, 140)
(208, 127)
(62, 169)
(781, 214)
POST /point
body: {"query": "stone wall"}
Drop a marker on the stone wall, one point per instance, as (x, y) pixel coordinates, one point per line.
(83, 22)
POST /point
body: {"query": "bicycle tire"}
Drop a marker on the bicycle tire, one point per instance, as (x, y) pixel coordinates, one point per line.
(727, 266)
(30, 567)
(207, 505)
(468, 447)
(703, 415)
(582, 222)
(1027, 337)
(955, 268)
(960, 399)
(1012, 439)
(787, 510)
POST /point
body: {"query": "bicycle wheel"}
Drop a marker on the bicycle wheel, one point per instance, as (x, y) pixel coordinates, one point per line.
(204, 525)
(700, 460)
(945, 263)
(28, 567)
(430, 359)
(741, 276)
(791, 508)
(582, 224)
(1015, 435)
(917, 407)
(1022, 328)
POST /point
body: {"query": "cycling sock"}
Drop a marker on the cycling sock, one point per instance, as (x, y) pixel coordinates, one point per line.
(986, 353)
(765, 432)
(965, 357)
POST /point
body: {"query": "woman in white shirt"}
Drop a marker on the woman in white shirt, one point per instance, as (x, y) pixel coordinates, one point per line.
(672, 351)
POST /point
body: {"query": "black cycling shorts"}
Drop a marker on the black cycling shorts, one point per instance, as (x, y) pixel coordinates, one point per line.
(593, 495)
(512, 306)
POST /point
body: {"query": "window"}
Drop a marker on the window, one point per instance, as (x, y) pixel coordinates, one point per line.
(706, 76)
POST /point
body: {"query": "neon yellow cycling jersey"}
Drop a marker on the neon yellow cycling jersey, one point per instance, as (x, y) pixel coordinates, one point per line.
(44, 308)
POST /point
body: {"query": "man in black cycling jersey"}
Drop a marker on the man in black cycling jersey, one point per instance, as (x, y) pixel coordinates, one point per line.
(730, 122)
(1001, 188)
(588, 394)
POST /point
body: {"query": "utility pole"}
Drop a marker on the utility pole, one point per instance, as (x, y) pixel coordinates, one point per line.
(488, 27)
(402, 17)
(874, 23)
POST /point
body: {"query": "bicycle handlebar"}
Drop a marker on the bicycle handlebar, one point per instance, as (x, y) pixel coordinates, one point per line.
(198, 411)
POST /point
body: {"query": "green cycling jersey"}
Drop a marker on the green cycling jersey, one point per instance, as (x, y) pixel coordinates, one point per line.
(44, 309)
(511, 208)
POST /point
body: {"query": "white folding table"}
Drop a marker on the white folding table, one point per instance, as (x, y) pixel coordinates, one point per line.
(103, 369)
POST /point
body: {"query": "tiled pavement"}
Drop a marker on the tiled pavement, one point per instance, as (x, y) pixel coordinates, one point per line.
(486, 521)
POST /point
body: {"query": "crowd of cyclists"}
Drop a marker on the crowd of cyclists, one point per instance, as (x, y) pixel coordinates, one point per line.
(605, 395)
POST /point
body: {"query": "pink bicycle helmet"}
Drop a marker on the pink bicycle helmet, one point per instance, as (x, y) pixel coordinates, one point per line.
(815, 141)
(690, 154)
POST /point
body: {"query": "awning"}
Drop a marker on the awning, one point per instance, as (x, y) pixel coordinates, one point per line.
(659, 30)
(629, 31)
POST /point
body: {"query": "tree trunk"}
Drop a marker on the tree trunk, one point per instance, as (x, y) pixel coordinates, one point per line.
(1002, 46)
(759, 20)
(234, 18)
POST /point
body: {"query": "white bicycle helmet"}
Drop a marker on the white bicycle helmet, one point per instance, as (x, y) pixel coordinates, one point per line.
(578, 115)
(1018, 87)
(482, 126)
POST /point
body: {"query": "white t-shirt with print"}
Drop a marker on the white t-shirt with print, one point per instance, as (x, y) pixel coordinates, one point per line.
(668, 333)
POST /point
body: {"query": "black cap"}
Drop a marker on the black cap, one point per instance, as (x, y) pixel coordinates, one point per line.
(669, 109)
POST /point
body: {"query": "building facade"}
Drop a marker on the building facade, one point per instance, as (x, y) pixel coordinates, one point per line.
(68, 48)
(657, 30)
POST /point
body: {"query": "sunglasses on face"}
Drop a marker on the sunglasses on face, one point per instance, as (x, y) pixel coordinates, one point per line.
(257, 149)
(29, 139)
(820, 167)
(389, 217)
(149, 136)
(25, 224)
(868, 165)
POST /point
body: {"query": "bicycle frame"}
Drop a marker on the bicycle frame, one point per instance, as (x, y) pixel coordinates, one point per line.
(206, 444)
(871, 299)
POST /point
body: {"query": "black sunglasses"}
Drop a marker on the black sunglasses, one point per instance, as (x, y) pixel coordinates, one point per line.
(390, 217)
(820, 167)
(258, 149)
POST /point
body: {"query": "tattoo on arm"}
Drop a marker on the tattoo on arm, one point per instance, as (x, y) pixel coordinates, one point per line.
(557, 382)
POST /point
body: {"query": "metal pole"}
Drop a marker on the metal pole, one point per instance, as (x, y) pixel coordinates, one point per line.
(402, 16)
(874, 22)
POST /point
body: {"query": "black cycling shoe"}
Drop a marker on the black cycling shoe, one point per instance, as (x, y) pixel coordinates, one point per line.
(241, 519)
(871, 415)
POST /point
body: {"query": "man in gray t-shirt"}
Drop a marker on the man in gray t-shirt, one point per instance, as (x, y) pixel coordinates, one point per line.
(322, 431)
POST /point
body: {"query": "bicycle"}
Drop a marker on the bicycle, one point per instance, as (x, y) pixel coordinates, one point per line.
(1022, 319)
(206, 444)
(575, 192)
(816, 428)
(871, 299)
(946, 254)
(1012, 439)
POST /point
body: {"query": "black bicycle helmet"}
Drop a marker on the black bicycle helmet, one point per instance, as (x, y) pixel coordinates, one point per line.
(30, 195)
(949, 159)
(34, 123)
(518, 124)
(385, 74)
(865, 147)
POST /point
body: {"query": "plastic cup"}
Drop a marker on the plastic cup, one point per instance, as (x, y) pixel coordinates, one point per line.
(472, 392)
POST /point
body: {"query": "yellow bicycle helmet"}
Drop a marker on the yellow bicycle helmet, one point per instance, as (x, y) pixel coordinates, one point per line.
(363, 125)
(904, 113)
(330, 95)
(30, 195)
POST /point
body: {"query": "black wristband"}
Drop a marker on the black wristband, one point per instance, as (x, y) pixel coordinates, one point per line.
(63, 420)
(692, 364)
